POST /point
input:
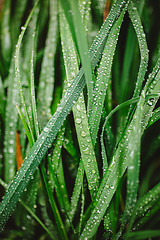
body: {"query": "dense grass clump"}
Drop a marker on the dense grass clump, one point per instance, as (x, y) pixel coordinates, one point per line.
(79, 119)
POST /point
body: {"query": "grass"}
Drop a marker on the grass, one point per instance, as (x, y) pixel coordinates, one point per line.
(80, 109)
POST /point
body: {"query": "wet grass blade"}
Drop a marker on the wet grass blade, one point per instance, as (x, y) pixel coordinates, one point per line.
(79, 109)
(82, 47)
(46, 81)
(11, 120)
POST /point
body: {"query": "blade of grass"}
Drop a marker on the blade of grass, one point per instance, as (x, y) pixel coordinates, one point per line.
(155, 117)
(79, 109)
(2, 100)
(82, 47)
(11, 119)
(144, 234)
(46, 81)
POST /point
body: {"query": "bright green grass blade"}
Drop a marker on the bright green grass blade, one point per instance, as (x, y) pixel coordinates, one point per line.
(50, 131)
(2, 100)
(134, 16)
(103, 76)
(79, 109)
(11, 119)
(143, 234)
(5, 33)
(128, 56)
(33, 101)
(46, 81)
(155, 117)
(82, 47)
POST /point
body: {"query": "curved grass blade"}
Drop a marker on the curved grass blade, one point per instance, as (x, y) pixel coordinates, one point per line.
(128, 56)
(134, 16)
(50, 131)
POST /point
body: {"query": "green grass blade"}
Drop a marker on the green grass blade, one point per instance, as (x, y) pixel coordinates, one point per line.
(33, 101)
(11, 119)
(46, 81)
(2, 100)
(103, 76)
(17, 68)
(134, 16)
(143, 234)
(25, 126)
(155, 117)
(82, 47)
(79, 109)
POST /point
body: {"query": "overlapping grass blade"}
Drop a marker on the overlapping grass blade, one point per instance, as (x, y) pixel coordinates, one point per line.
(82, 47)
(128, 56)
(103, 77)
(79, 109)
(134, 16)
(49, 132)
(119, 164)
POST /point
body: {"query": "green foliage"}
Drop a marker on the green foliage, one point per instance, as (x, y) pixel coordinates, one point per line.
(90, 153)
